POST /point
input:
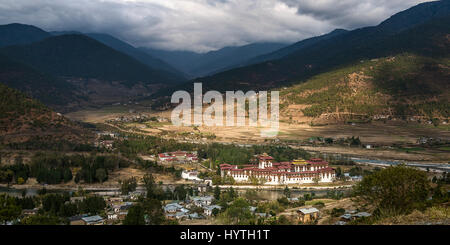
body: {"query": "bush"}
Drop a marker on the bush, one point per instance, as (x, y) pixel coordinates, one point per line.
(399, 189)
(336, 212)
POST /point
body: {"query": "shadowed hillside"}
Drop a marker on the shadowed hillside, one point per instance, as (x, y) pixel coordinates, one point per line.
(52, 91)
(81, 56)
(27, 124)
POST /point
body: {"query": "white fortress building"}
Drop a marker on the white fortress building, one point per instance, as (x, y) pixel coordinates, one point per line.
(270, 173)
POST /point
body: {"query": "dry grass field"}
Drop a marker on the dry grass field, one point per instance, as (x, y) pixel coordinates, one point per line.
(375, 133)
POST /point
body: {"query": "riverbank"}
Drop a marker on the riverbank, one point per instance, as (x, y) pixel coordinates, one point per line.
(423, 156)
(281, 187)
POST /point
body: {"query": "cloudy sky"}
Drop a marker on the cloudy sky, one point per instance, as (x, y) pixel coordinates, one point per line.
(201, 25)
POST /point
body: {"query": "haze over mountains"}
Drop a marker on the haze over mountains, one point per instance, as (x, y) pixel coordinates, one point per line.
(69, 69)
(196, 65)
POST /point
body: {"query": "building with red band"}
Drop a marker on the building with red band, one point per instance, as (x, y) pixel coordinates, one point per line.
(271, 173)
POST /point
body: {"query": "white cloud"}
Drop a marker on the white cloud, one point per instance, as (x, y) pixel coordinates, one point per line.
(201, 25)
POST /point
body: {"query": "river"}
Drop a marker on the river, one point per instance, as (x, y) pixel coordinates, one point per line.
(440, 167)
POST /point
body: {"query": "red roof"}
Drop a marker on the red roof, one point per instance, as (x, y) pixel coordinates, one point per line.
(317, 162)
(265, 157)
(164, 155)
(325, 169)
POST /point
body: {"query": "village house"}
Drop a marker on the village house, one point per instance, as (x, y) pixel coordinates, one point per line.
(181, 215)
(261, 215)
(172, 207)
(268, 172)
(77, 220)
(93, 220)
(292, 199)
(121, 207)
(202, 188)
(107, 134)
(202, 201)
(208, 181)
(195, 216)
(208, 210)
(114, 200)
(190, 175)
(108, 144)
(135, 195)
(29, 212)
(307, 215)
(76, 199)
(178, 156)
(352, 215)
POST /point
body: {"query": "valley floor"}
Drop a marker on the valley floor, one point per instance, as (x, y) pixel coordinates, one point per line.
(393, 140)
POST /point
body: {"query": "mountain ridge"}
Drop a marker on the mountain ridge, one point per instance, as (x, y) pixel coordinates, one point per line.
(81, 56)
(198, 64)
(17, 34)
(25, 122)
(368, 42)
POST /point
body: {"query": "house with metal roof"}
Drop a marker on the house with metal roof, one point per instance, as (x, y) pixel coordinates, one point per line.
(307, 215)
(93, 220)
(202, 201)
(77, 219)
(261, 215)
(195, 216)
(208, 210)
(181, 215)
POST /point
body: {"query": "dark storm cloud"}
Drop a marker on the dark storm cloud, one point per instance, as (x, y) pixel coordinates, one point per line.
(201, 25)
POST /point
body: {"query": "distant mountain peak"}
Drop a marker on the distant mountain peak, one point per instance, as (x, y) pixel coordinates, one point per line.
(17, 34)
(416, 15)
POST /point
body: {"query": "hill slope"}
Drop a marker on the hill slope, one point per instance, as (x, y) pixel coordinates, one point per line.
(81, 56)
(278, 54)
(26, 123)
(52, 91)
(139, 55)
(406, 86)
(425, 33)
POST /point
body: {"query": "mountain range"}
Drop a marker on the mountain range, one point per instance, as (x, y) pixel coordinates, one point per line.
(422, 29)
(201, 64)
(80, 56)
(421, 33)
(70, 70)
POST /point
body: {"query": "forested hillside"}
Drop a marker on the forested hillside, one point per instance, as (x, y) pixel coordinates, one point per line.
(81, 56)
(28, 124)
(404, 85)
(48, 89)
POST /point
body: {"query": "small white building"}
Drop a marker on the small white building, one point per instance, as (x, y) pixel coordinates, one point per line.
(202, 201)
(190, 175)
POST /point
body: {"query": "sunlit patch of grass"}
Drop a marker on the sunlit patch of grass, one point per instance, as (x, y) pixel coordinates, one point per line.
(431, 215)
(314, 202)
(444, 148)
